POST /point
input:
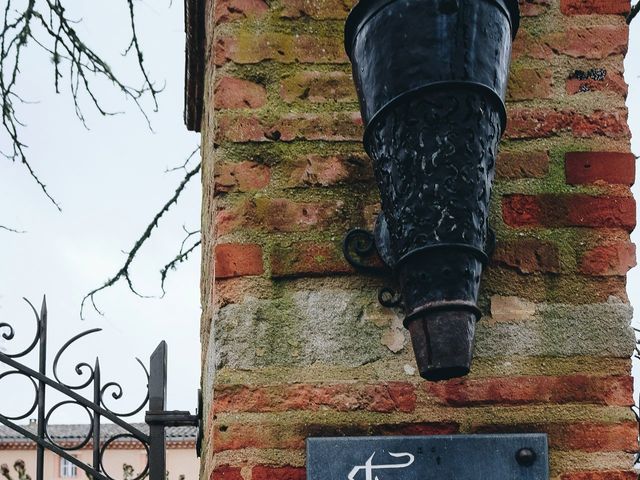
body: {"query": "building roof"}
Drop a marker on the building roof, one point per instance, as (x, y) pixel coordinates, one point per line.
(73, 434)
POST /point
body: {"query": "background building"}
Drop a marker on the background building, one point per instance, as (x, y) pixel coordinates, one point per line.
(182, 463)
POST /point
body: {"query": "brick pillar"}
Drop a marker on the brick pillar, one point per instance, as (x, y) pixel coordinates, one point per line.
(294, 341)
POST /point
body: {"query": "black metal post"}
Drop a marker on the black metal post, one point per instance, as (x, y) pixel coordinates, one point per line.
(96, 416)
(157, 403)
(42, 368)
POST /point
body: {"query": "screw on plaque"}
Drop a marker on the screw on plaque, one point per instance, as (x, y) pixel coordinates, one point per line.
(526, 457)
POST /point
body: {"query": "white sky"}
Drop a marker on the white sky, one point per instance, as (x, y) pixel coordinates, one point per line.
(110, 181)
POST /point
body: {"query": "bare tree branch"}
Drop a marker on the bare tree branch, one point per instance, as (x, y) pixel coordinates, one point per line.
(12, 230)
(45, 24)
(182, 256)
(123, 272)
(186, 162)
(634, 11)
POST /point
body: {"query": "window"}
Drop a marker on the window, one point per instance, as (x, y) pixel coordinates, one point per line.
(67, 469)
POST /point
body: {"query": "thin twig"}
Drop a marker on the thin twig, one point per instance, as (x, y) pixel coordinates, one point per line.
(12, 230)
(634, 11)
(124, 273)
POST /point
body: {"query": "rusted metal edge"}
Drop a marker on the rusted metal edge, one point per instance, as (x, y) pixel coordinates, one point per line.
(194, 27)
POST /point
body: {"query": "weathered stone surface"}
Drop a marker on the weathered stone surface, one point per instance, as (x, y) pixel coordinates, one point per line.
(511, 309)
(326, 326)
(562, 330)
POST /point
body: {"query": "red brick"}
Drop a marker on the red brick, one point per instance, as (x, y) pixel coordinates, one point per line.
(514, 165)
(231, 92)
(528, 256)
(422, 428)
(599, 123)
(241, 177)
(533, 8)
(583, 168)
(252, 48)
(282, 215)
(527, 45)
(263, 472)
(616, 390)
(615, 259)
(529, 84)
(601, 475)
(308, 258)
(590, 7)
(596, 80)
(384, 398)
(588, 437)
(595, 42)
(312, 126)
(228, 10)
(231, 218)
(317, 9)
(280, 435)
(226, 473)
(318, 87)
(578, 210)
(320, 171)
(543, 123)
(237, 260)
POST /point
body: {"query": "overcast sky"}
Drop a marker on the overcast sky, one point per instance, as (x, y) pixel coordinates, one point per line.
(110, 180)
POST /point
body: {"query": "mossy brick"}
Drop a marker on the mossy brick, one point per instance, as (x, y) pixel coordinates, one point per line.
(225, 472)
(237, 93)
(237, 260)
(526, 45)
(325, 171)
(248, 47)
(592, 42)
(318, 87)
(230, 10)
(467, 392)
(241, 177)
(585, 436)
(563, 288)
(611, 259)
(290, 127)
(284, 215)
(530, 123)
(569, 210)
(601, 475)
(592, 7)
(561, 330)
(382, 397)
(267, 472)
(316, 9)
(529, 84)
(514, 165)
(583, 168)
(308, 258)
(533, 8)
(528, 255)
(281, 433)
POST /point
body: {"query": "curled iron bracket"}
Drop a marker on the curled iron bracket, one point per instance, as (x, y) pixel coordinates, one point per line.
(369, 252)
(359, 249)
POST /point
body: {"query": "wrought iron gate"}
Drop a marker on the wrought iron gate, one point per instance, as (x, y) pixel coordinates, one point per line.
(156, 416)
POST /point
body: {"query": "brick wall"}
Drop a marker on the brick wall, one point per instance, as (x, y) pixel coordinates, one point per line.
(294, 341)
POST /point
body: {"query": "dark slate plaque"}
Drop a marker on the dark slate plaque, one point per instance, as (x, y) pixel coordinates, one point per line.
(446, 457)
